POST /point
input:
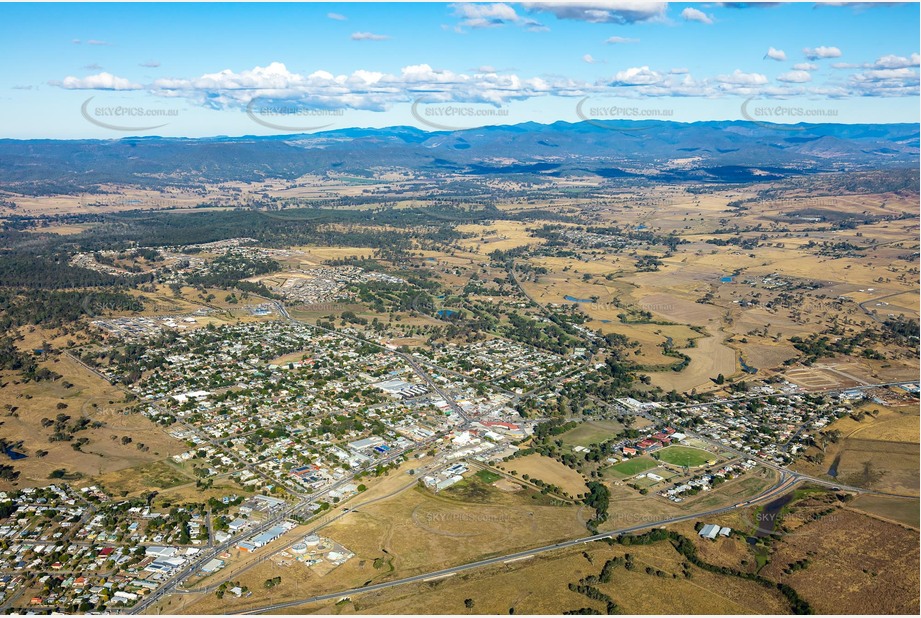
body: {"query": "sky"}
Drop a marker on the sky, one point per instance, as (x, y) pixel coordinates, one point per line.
(111, 70)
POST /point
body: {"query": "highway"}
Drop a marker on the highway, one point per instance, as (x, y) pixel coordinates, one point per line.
(787, 480)
(203, 557)
(783, 485)
(318, 525)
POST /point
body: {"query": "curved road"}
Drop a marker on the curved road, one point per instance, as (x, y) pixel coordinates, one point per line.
(785, 483)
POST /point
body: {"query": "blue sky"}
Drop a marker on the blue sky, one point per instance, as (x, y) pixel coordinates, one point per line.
(110, 70)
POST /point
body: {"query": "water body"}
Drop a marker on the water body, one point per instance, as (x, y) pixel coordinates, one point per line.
(9, 452)
(746, 367)
(769, 515)
(445, 313)
(573, 299)
(833, 470)
(725, 279)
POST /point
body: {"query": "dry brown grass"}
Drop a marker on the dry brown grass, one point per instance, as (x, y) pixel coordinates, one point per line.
(857, 565)
(549, 471)
(539, 586)
(92, 397)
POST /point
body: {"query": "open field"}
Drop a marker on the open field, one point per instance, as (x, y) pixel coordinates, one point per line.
(880, 452)
(547, 470)
(417, 531)
(901, 510)
(152, 476)
(591, 432)
(709, 358)
(535, 586)
(499, 236)
(848, 555)
(88, 396)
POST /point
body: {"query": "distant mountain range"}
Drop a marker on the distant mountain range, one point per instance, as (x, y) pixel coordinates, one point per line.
(730, 151)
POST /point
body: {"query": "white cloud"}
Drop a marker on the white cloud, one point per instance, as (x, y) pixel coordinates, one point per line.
(97, 42)
(588, 58)
(795, 77)
(616, 40)
(369, 36)
(100, 81)
(602, 11)
(806, 66)
(636, 76)
(150, 64)
(482, 15)
(821, 52)
(892, 61)
(368, 90)
(371, 90)
(740, 78)
(748, 5)
(886, 82)
(337, 16)
(692, 14)
(776, 54)
(93, 67)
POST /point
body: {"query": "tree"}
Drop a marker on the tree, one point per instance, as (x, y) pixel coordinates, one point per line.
(468, 603)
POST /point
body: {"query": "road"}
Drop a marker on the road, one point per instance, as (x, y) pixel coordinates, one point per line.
(204, 556)
(319, 525)
(872, 313)
(787, 479)
(783, 485)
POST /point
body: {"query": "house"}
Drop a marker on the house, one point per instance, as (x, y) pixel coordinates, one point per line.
(725, 531)
(629, 451)
(709, 531)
